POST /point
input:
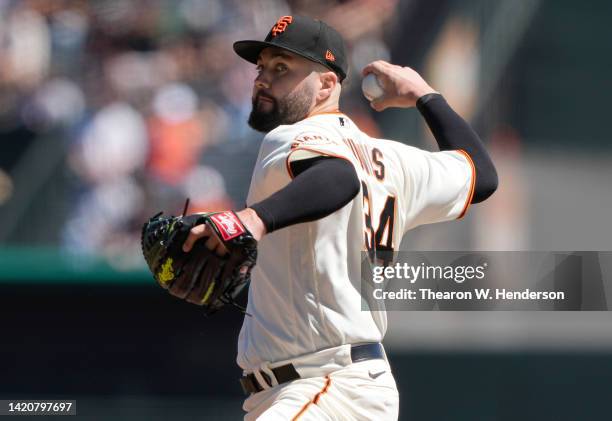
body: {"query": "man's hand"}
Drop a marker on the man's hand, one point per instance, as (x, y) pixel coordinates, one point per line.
(402, 85)
(249, 219)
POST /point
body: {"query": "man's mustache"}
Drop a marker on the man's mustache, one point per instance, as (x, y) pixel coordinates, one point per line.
(265, 96)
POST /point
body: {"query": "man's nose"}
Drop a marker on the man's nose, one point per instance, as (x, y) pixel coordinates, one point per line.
(262, 82)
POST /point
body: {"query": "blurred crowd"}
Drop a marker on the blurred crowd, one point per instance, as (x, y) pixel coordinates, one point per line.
(149, 102)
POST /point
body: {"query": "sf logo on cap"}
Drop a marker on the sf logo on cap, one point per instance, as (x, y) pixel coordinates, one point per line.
(281, 25)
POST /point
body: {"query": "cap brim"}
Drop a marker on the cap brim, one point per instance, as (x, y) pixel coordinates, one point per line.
(250, 50)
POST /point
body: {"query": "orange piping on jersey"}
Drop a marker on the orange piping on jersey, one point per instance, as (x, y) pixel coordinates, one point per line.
(472, 184)
(325, 112)
(324, 153)
(314, 400)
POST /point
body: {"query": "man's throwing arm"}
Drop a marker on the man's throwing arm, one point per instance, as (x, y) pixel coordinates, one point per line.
(453, 133)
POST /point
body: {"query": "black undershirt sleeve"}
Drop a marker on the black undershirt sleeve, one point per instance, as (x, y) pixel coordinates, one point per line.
(452, 132)
(321, 186)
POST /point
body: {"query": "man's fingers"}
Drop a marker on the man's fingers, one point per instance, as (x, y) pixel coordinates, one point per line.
(221, 250)
(195, 234)
(379, 104)
(377, 67)
(214, 244)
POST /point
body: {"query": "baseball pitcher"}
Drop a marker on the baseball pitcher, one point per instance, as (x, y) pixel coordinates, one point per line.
(322, 192)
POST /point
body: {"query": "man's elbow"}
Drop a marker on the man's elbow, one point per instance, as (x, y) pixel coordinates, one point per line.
(486, 184)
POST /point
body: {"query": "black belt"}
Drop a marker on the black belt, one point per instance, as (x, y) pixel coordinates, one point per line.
(287, 373)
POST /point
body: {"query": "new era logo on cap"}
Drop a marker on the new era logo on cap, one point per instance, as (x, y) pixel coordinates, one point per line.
(304, 36)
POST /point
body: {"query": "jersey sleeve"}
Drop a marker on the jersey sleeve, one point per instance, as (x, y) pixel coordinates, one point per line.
(313, 141)
(438, 186)
(286, 144)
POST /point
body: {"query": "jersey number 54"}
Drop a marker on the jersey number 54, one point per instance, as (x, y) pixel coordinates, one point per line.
(379, 243)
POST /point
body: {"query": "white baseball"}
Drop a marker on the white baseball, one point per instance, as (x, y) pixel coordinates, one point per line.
(371, 87)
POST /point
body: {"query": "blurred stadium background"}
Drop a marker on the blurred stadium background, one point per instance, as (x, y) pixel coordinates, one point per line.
(113, 110)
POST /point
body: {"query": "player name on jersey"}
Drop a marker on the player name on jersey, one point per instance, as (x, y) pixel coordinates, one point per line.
(370, 159)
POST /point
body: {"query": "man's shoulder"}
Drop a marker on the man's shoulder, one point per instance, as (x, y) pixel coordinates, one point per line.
(396, 146)
(307, 129)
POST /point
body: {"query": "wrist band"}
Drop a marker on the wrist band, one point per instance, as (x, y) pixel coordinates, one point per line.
(426, 98)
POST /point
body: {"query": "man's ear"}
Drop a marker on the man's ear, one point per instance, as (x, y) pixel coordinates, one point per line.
(328, 80)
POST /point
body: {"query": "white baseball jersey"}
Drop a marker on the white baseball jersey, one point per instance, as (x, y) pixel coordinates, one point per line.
(305, 290)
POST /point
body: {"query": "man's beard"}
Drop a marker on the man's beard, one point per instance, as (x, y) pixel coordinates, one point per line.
(288, 110)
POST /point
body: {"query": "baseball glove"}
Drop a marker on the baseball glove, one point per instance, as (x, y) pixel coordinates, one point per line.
(200, 276)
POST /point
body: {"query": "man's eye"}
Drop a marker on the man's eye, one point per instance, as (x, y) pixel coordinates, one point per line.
(259, 69)
(281, 67)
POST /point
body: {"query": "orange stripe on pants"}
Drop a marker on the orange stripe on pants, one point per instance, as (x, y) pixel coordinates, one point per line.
(314, 400)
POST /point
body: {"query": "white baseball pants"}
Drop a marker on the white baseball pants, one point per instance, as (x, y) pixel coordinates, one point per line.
(360, 391)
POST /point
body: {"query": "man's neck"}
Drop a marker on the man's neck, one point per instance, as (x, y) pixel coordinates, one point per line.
(327, 107)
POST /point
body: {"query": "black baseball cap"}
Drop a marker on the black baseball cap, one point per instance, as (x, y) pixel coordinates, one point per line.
(310, 38)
